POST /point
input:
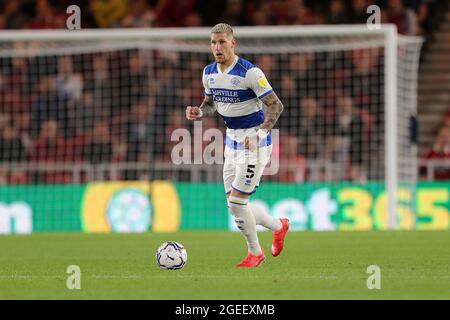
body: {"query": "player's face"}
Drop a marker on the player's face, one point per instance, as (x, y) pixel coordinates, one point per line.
(222, 46)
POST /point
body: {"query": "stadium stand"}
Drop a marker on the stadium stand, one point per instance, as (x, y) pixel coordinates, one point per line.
(36, 123)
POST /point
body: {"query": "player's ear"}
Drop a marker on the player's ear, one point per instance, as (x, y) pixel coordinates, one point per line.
(234, 42)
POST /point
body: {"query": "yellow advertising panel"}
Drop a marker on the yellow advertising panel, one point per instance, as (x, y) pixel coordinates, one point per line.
(131, 206)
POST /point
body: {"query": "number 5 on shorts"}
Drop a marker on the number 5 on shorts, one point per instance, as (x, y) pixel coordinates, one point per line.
(250, 170)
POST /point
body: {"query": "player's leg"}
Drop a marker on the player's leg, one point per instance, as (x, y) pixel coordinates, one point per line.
(279, 226)
(264, 219)
(238, 206)
(245, 221)
(249, 178)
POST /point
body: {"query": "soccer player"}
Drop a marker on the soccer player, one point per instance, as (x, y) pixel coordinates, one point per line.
(236, 89)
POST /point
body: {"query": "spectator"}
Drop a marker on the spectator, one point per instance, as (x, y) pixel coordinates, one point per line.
(109, 13)
(282, 12)
(366, 79)
(348, 142)
(441, 145)
(298, 13)
(405, 18)
(164, 91)
(5, 119)
(176, 121)
(22, 122)
(311, 128)
(290, 117)
(193, 19)
(49, 145)
(19, 14)
(446, 121)
(13, 16)
(234, 13)
(14, 89)
(66, 109)
(440, 151)
(336, 13)
(260, 13)
(140, 130)
(301, 66)
(47, 17)
(211, 11)
(46, 105)
(99, 149)
(12, 147)
(69, 88)
(358, 13)
(259, 18)
(293, 166)
(423, 26)
(69, 84)
(83, 114)
(140, 15)
(172, 13)
(133, 83)
(99, 86)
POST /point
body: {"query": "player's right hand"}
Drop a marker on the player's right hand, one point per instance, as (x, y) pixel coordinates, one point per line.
(193, 113)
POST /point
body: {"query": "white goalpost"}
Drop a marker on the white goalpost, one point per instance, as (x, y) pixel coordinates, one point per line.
(100, 105)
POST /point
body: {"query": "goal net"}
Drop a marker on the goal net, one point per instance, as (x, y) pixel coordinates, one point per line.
(94, 136)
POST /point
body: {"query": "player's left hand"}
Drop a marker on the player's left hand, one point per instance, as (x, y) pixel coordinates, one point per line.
(251, 143)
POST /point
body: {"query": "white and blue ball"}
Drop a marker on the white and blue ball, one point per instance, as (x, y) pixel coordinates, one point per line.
(171, 255)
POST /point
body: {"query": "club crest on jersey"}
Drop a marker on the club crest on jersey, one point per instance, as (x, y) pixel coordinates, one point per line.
(211, 80)
(235, 82)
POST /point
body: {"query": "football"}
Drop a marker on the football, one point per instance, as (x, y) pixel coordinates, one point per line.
(171, 255)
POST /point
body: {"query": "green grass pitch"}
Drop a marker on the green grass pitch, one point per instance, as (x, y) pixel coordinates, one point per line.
(314, 265)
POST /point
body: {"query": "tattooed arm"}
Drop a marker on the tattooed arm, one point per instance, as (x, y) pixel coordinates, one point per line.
(206, 109)
(274, 109)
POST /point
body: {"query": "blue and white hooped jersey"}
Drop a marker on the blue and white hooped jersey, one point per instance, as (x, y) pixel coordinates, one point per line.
(237, 92)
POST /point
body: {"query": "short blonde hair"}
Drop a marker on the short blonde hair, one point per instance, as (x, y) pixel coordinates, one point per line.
(222, 28)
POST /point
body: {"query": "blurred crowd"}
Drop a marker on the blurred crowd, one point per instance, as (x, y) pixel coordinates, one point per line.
(410, 16)
(440, 149)
(106, 107)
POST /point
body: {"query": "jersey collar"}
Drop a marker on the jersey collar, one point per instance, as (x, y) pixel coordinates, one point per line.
(236, 58)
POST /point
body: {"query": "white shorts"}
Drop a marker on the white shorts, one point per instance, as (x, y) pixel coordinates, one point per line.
(243, 168)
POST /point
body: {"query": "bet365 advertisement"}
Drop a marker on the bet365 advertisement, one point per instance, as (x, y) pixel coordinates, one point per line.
(163, 206)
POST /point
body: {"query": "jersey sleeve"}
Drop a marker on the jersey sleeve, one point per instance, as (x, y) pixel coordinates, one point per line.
(205, 83)
(257, 81)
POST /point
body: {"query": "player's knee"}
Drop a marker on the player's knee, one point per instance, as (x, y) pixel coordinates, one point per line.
(237, 206)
